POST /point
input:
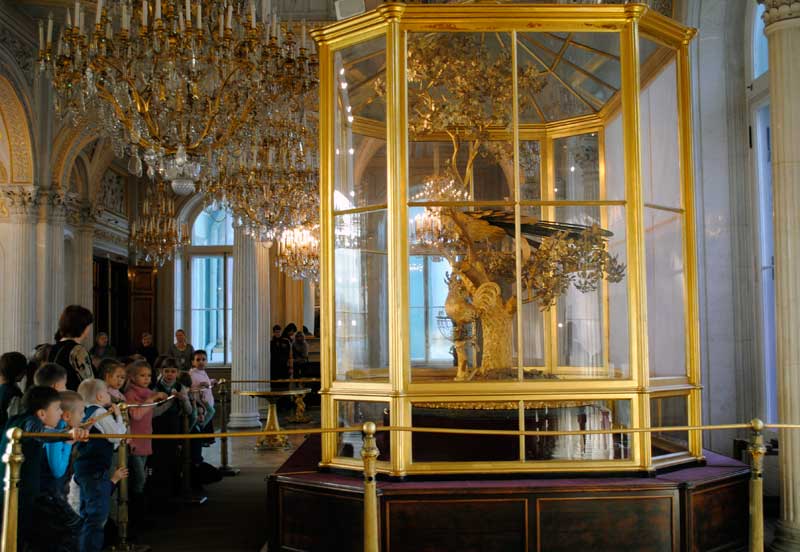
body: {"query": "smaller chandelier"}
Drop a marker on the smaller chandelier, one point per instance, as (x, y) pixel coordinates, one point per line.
(156, 234)
(298, 253)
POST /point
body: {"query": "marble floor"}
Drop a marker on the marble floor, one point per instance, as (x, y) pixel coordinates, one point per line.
(234, 516)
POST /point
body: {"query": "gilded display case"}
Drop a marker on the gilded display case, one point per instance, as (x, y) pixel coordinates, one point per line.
(507, 233)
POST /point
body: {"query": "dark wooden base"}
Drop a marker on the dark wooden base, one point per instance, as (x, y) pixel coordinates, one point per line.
(700, 508)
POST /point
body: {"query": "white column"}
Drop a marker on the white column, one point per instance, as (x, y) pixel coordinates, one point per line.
(18, 217)
(50, 251)
(308, 305)
(264, 305)
(84, 245)
(782, 20)
(245, 331)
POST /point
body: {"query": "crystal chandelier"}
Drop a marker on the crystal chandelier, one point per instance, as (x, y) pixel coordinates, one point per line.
(155, 234)
(173, 83)
(272, 186)
(298, 252)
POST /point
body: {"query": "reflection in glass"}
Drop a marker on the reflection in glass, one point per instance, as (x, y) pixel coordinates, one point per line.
(661, 167)
(471, 252)
(530, 166)
(589, 327)
(360, 272)
(359, 132)
(666, 276)
(360, 164)
(577, 415)
(563, 75)
(360, 77)
(430, 327)
(669, 412)
(437, 447)
(577, 168)
(459, 87)
(580, 321)
(354, 414)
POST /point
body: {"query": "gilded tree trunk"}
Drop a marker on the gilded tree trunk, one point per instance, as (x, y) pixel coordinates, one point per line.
(497, 327)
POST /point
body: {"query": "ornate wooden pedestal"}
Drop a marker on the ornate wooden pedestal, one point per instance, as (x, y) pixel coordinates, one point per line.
(698, 508)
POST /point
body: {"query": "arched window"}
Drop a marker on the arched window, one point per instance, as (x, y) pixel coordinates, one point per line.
(209, 266)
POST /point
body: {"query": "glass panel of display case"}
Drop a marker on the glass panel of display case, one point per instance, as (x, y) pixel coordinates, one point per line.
(617, 303)
(487, 176)
(590, 65)
(534, 319)
(459, 93)
(565, 75)
(590, 327)
(576, 168)
(580, 336)
(530, 167)
(533, 343)
(583, 319)
(461, 291)
(666, 292)
(669, 412)
(360, 289)
(658, 107)
(614, 157)
(360, 163)
(577, 415)
(359, 74)
(355, 413)
(440, 447)
(359, 131)
(651, 56)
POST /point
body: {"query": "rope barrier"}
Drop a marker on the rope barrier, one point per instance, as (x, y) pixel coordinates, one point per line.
(13, 457)
(456, 431)
(280, 380)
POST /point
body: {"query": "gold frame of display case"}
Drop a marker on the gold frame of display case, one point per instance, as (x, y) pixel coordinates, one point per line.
(392, 380)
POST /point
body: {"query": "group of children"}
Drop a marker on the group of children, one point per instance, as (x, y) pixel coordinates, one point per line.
(67, 482)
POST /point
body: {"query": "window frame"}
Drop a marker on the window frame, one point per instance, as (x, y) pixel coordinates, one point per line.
(758, 97)
(184, 309)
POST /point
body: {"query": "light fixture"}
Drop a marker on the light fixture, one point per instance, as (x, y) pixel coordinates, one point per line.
(155, 233)
(182, 186)
(180, 86)
(298, 252)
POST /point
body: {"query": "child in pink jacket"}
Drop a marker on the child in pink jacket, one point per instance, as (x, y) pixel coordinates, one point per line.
(141, 421)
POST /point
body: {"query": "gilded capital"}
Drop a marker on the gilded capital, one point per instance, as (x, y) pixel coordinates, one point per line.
(780, 10)
(19, 200)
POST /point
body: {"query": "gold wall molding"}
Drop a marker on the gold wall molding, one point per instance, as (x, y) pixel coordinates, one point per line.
(18, 133)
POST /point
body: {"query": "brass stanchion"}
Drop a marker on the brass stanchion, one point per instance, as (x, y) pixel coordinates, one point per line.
(225, 468)
(13, 459)
(186, 475)
(122, 496)
(369, 454)
(757, 451)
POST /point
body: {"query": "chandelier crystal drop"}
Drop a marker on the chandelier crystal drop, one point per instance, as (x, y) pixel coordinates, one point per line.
(180, 85)
(298, 252)
(155, 234)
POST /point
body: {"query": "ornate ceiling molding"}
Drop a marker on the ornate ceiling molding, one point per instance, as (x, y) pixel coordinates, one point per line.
(21, 51)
